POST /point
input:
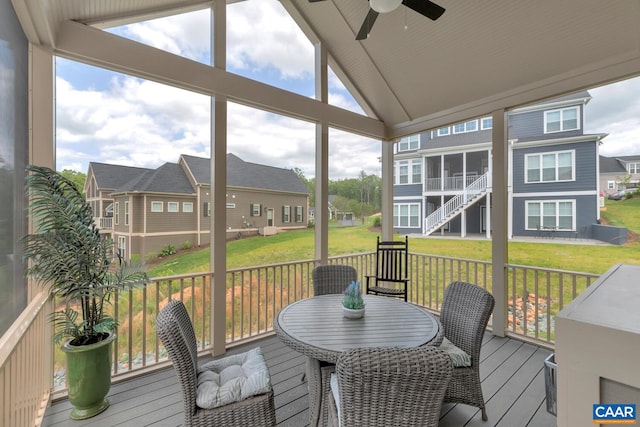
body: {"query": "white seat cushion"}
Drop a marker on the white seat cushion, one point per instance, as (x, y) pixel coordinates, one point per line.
(458, 356)
(232, 379)
(333, 382)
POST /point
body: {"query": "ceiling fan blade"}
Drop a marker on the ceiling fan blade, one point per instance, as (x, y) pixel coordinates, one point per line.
(425, 7)
(367, 25)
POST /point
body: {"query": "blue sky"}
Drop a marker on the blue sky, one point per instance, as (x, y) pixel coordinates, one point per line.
(108, 117)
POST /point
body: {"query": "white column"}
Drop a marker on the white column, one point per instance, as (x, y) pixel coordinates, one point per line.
(322, 160)
(218, 219)
(499, 222)
(387, 190)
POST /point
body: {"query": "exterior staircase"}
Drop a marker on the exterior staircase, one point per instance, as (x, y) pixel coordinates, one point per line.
(454, 206)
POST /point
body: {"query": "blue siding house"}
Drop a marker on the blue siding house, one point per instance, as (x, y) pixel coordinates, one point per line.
(442, 178)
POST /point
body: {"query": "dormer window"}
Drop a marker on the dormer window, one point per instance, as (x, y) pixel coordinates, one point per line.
(561, 120)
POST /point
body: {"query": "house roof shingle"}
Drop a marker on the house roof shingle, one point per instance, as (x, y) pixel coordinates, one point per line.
(247, 175)
(110, 176)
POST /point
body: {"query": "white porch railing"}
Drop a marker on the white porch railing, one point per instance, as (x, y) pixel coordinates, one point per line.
(254, 296)
(456, 204)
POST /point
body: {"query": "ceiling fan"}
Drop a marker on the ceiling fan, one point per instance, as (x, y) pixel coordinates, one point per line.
(376, 7)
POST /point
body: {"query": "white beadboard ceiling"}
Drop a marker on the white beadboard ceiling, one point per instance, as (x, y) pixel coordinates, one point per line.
(481, 55)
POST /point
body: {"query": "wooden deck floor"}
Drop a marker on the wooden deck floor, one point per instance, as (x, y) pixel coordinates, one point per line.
(512, 382)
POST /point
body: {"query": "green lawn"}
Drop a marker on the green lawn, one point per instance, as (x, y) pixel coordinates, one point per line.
(299, 245)
(623, 213)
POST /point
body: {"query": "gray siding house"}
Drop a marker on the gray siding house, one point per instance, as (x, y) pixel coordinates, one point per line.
(442, 178)
(145, 210)
(619, 173)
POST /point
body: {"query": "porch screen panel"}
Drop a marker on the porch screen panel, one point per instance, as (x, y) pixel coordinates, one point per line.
(14, 143)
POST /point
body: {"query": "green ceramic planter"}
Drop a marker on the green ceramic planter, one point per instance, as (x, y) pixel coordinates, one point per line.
(89, 377)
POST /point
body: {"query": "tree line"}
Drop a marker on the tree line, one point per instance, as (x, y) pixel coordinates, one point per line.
(361, 195)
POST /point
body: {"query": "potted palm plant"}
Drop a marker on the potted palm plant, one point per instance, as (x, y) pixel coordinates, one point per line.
(67, 254)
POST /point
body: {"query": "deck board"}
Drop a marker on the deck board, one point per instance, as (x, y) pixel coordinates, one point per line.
(511, 373)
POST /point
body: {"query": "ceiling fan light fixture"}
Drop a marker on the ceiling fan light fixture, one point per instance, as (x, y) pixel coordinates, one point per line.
(384, 6)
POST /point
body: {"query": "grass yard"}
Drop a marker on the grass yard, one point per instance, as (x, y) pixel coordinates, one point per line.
(299, 245)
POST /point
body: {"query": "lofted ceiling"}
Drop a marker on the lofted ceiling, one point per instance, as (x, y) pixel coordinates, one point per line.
(480, 56)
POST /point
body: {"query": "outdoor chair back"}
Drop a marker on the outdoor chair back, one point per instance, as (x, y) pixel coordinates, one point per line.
(464, 315)
(391, 269)
(332, 278)
(389, 387)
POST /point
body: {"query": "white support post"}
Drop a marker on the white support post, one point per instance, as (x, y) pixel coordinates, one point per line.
(322, 160)
(218, 197)
(387, 190)
(499, 222)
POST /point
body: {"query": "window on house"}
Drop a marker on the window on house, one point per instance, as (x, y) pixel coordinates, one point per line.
(187, 207)
(298, 213)
(122, 247)
(173, 207)
(409, 143)
(116, 210)
(231, 205)
(406, 215)
(126, 213)
(558, 214)
(409, 171)
(633, 167)
(611, 185)
(486, 123)
(550, 167)
(256, 209)
(561, 120)
(157, 206)
(469, 126)
(444, 131)
(206, 209)
(286, 214)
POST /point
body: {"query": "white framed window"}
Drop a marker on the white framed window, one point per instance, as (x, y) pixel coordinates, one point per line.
(206, 209)
(256, 209)
(173, 207)
(126, 213)
(116, 213)
(558, 214)
(298, 213)
(549, 167)
(633, 167)
(406, 215)
(286, 213)
(122, 247)
(444, 131)
(611, 185)
(470, 126)
(409, 143)
(187, 207)
(561, 120)
(486, 123)
(157, 206)
(231, 205)
(409, 171)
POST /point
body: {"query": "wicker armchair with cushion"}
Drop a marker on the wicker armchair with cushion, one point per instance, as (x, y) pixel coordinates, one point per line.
(232, 391)
(464, 315)
(389, 387)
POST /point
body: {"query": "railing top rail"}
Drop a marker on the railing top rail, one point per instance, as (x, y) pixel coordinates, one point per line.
(448, 258)
(14, 334)
(554, 270)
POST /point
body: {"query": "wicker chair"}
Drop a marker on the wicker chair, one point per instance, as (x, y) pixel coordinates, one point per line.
(329, 279)
(332, 279)
(176, 332)
(464, 315)
(390, 387)
(391, 270)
